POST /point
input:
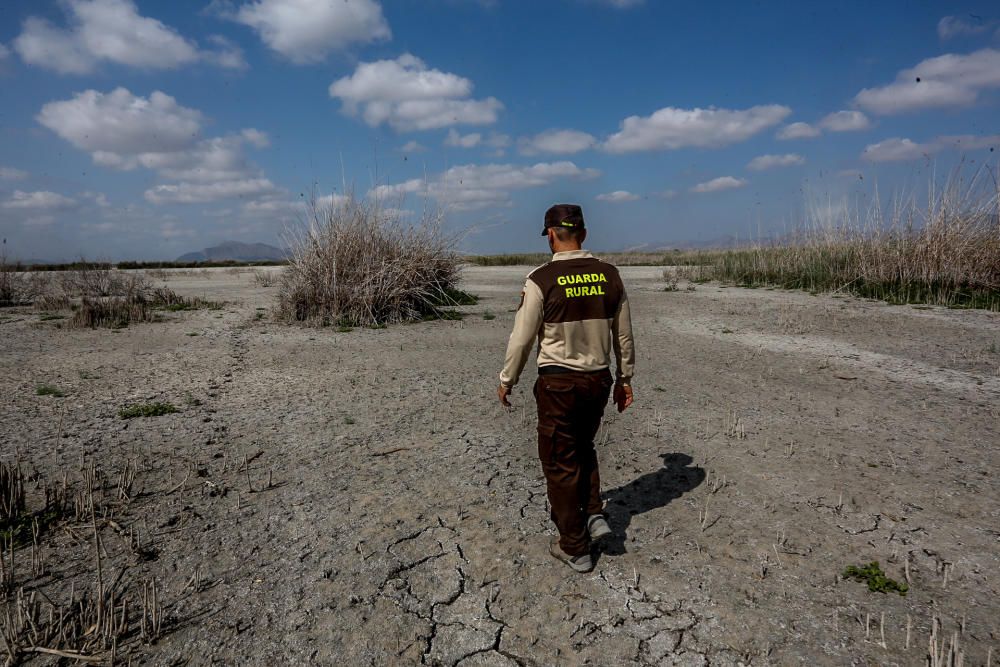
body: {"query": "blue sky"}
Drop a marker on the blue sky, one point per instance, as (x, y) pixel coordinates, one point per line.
(136, 129)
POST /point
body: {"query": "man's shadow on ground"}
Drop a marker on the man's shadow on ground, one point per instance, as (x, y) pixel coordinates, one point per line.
(649, 492)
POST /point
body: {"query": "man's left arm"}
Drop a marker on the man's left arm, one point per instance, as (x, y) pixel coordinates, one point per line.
(527, 324)
(624, 347)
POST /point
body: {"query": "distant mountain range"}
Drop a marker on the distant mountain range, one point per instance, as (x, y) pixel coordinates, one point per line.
(236, 251)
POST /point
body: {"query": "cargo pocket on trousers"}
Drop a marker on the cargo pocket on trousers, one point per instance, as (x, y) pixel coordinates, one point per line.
(546, 440)
(555, 399)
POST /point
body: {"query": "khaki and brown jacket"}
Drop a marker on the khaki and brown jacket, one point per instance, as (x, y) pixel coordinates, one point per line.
(577, 308)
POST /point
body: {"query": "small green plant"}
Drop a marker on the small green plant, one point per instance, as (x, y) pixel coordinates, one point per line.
(349, 420)
(147, 410)
(876, 579)
(47, 317)
(87, 375)
(190, 400)
(192, 333)
(344, 329)
(489, 316)
(49, 390)
(451, 296)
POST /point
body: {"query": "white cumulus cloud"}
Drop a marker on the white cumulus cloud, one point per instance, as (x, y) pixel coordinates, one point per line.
(12, 174)
(720, 183)
(4, 52)
(305, 31)
(845, 121)
(114, 127)
(899, 149)
(951, 80)
(112, 31)
(462, 140)
(40, 200)
(671, 128)
(408, 95)
(125, 131)
(953, 26)
(556, 142)
(475, 186)
(412, 146)
(798, 131)
(762, 162)
(193, 193)
(618, 196)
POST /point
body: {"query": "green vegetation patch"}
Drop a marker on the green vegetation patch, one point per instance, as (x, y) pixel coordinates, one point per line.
(147, 410)
(876, 579)
(452, 296)
(49, 390)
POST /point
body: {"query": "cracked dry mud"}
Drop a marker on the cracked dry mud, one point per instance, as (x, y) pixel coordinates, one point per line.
(390, 512)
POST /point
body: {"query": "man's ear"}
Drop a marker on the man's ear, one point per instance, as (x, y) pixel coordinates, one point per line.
(583, 236)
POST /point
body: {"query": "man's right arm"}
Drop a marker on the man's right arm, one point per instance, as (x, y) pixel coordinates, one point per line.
(527, 324)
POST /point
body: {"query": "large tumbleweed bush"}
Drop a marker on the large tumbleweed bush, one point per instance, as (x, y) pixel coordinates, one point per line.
(945, 252)
(356, 263)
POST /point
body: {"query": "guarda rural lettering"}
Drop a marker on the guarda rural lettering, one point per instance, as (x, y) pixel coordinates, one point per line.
(588, 284)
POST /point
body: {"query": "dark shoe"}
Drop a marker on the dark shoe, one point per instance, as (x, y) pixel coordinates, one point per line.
(598, 526)
(582, 563)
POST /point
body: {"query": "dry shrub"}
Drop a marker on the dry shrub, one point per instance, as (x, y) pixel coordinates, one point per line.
(16, 285)
(947, 253)
(111, 313)
(355, 263)
(100, 280)
(263, 278)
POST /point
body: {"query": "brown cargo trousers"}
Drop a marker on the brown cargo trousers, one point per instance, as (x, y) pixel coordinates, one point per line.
(570, 408)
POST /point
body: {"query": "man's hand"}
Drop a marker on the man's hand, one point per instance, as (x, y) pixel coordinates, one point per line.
(623, 396)
(503, 391)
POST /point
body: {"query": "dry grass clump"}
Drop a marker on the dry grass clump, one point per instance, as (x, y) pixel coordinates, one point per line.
(947, 253)
(264, 278)
(100, 280)
(101, 297)
(356, 264)
(16, 286)
(113, 313)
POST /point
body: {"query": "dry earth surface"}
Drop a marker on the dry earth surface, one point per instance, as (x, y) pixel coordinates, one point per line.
(357, 498)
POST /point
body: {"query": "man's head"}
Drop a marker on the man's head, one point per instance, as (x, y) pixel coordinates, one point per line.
(564, 227)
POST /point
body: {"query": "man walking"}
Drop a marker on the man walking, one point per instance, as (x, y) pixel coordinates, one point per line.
(576, 306)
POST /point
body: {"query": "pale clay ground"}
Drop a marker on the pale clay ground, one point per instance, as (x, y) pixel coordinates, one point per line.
(777, 437)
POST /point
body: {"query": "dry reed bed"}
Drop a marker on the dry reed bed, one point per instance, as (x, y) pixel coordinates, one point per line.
(947, 253)
(357, 264)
